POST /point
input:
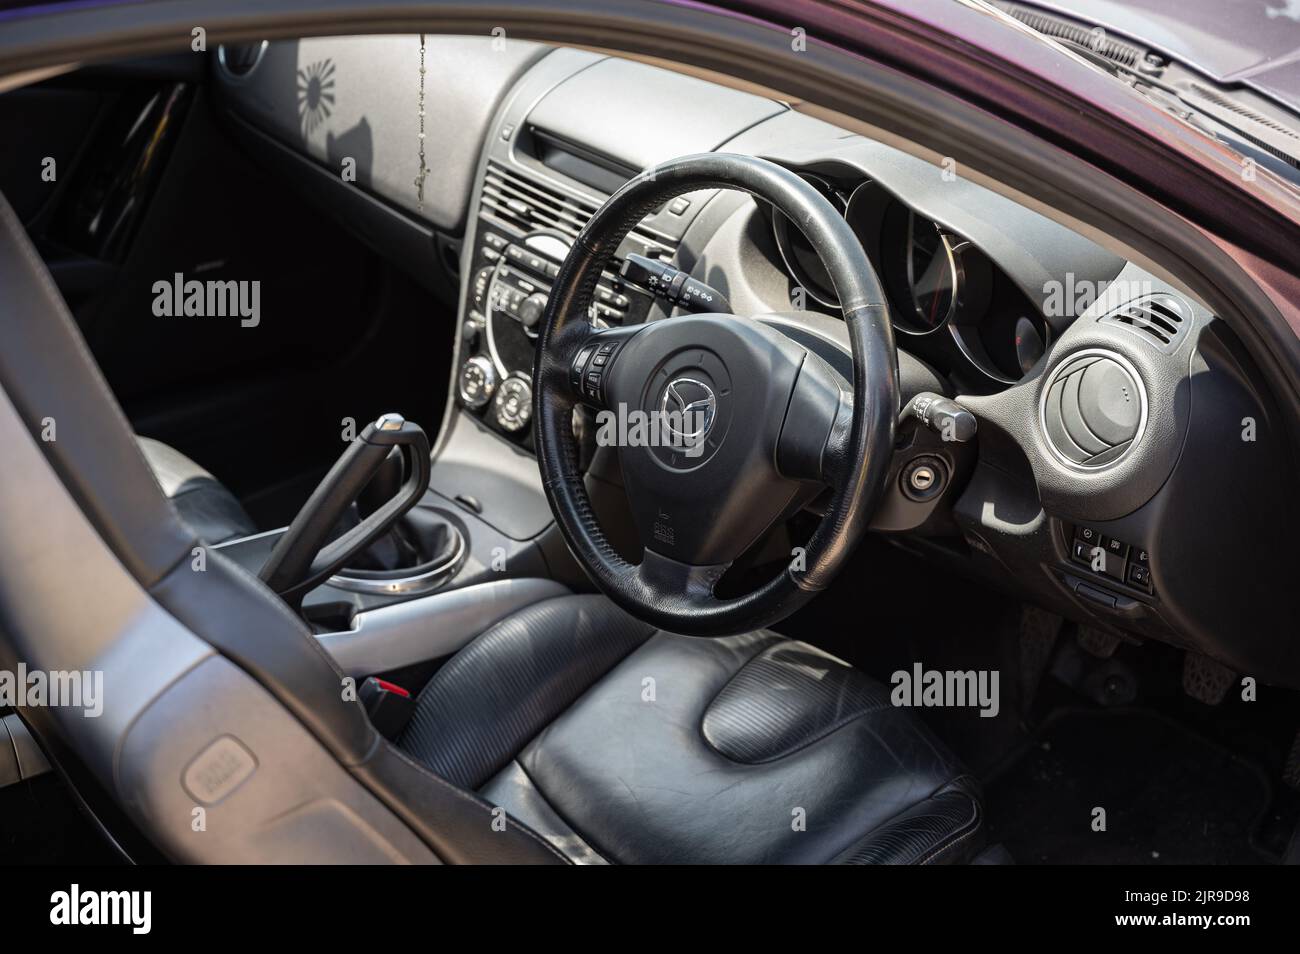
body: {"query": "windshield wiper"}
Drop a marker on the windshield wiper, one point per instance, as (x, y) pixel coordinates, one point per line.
(1250, 124)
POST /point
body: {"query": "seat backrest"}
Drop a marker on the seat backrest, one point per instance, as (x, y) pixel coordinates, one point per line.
(219, 703)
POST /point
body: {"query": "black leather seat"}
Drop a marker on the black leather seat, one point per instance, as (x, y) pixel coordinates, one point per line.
(619, 743)
(204, 503)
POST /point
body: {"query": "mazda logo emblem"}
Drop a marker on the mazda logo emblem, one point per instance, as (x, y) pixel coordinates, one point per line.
(693, 405)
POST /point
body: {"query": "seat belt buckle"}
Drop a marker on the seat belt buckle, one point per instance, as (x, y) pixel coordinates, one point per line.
(388, 706)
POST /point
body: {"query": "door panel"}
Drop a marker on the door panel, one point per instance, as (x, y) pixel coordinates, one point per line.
(149, 187)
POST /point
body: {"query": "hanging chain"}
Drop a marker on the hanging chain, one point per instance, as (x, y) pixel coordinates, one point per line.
(424, 170)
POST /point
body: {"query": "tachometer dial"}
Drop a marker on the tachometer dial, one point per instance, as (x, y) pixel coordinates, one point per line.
(921, 270)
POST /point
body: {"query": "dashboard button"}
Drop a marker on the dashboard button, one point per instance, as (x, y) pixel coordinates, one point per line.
(514, 404)
(1112, 565)
(478, 379)
(1139, 575)
(1117, 547)
(1087, 534)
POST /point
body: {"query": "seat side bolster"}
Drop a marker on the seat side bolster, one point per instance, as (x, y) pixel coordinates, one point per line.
(946, 828)
(63, 398)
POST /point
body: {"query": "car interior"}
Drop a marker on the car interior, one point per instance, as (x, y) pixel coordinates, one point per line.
(443, 617)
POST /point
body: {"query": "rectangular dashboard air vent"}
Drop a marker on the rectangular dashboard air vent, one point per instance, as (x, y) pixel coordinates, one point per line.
(529, 205)
(1161, 319)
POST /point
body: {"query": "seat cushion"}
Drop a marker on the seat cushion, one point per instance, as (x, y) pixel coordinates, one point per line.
(203, 502)
(618, 743)
(500, 691)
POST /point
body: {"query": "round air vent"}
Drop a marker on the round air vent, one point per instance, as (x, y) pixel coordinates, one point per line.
(1094, 409)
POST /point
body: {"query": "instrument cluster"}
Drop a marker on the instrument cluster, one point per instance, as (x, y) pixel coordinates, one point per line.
(947, 298)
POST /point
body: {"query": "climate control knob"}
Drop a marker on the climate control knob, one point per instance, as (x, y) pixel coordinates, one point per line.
(531, 310)
(477, 382)
(514, 404)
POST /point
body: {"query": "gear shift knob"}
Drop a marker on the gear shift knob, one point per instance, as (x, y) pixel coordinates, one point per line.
(301, 558)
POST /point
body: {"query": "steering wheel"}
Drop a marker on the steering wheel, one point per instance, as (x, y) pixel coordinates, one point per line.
(738, 425)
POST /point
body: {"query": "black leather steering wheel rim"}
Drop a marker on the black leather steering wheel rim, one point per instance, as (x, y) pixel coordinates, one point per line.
(674, 596)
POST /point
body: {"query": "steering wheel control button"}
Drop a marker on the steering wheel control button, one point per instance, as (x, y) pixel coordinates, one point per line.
(1094, 409)
(514, 404)
(580, 366)
(477, 382)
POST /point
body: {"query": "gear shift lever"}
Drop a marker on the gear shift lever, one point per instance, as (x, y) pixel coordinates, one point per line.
(394, 544)
(301, 560)
(383, 486)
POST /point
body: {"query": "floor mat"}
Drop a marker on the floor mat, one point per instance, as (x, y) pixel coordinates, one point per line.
(1170, 796)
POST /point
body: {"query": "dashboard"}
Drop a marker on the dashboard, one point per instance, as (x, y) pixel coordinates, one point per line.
(1123, 447)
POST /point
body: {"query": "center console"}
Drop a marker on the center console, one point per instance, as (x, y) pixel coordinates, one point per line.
(557, 150)
(526, 224)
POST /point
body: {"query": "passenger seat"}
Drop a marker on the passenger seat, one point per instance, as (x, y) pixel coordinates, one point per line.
(204, 503)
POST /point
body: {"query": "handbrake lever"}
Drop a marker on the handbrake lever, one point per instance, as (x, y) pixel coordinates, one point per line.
(301, 560)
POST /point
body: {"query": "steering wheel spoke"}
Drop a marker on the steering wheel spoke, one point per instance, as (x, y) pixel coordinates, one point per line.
(666, 579)
(817, 421)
